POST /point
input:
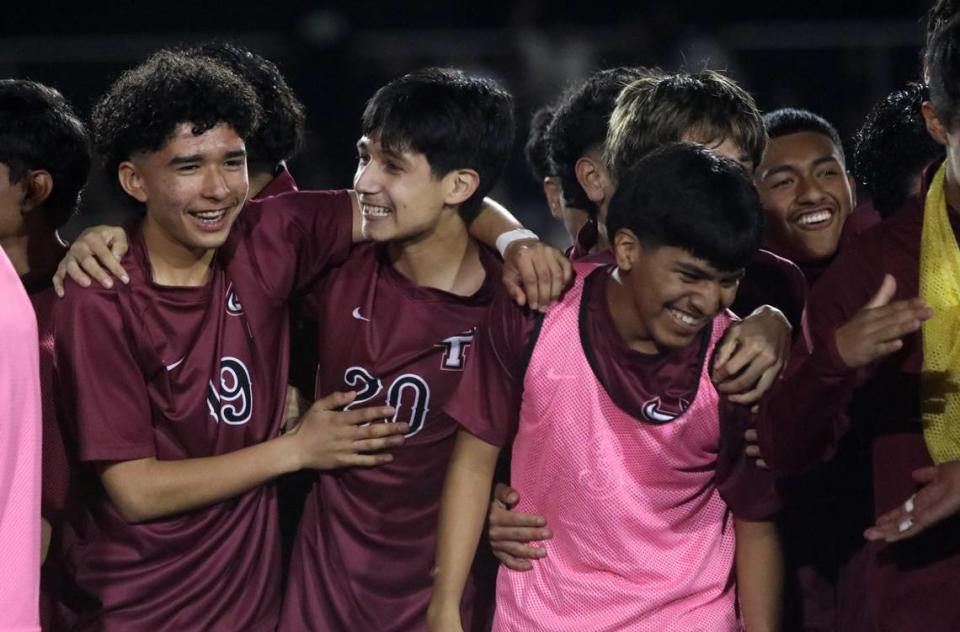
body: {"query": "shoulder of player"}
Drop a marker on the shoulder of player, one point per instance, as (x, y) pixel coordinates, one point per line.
(320, 201)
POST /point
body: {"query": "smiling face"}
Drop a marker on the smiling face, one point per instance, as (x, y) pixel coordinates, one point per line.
(666, 295)
(400, 198)
(807, 195)
(193, 187)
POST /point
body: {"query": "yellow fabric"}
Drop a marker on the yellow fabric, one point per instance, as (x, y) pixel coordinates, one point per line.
(940, 287)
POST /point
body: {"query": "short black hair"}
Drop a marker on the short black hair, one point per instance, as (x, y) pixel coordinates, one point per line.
(786, 121)
(580, 125)
(280, 134)
(685, 196)
(893, 146)
(537, 151)
(143, 108)
(39, 130)
(457, 121)
(942, 63)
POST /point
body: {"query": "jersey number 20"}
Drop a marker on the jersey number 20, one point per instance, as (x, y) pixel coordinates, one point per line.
(409, 394)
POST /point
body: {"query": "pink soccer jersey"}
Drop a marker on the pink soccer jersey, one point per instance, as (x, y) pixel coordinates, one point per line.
(642, 538)
(19, 456)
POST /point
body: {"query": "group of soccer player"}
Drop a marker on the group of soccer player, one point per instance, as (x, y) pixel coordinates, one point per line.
(734, 403)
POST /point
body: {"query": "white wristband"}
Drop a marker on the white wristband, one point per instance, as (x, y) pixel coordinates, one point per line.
(507, 238)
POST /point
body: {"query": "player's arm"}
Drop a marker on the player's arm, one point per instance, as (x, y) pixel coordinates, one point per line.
(534, 273)
(759, 564)
(804, 416)
(751, 494)
(462, 510)
(326, 438)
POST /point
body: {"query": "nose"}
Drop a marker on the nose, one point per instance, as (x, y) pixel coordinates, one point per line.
(215, 185)
(809, 190)
(708, 298)
(365, 180)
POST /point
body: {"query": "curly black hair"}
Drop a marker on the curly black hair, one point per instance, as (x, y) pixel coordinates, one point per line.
(143, 108)
(580, 125)
(893, 147)
(39, 130)
(281, 131)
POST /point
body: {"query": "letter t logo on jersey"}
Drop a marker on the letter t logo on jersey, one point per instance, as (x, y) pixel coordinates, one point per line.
(455, 351)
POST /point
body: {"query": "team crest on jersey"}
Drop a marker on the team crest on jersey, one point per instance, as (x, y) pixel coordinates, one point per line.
(657, 412)
(455, 351)
(232, 402)
(234, 307)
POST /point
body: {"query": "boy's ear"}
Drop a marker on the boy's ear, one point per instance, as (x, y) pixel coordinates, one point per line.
(592, 176)
(37, 187)
(463, 184)
(131, 181)
(626, 248)
(935, 126)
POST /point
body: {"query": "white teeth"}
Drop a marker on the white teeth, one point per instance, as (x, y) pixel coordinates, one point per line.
(683, 317)
(209, 216)
(814, 218)
(375, 211)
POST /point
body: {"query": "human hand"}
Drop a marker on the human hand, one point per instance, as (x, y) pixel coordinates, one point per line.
(96, 248)
(328, 438)
(443, 618)
(878, 328)
(510, 531)
(753, 449)
(936, 500)
(751, 355)
(535, 274)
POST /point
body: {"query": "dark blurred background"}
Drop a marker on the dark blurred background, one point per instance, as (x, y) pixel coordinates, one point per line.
(836, 58)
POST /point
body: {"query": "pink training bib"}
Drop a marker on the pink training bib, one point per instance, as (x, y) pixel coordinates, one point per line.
(641, 538)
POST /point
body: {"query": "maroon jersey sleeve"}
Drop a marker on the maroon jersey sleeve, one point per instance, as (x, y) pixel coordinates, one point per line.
(804, 416)
(293, 238)
(487, 400)
(103, 396)
(749, 491)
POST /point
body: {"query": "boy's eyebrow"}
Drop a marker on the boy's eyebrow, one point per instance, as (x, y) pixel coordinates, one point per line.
(692, 269)
(182, 160)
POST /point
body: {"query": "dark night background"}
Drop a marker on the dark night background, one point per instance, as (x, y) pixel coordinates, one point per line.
(835, 58)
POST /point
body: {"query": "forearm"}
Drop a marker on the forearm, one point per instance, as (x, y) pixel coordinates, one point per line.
(466, 493)
(492, 221)
(759, 574)
(147, 489)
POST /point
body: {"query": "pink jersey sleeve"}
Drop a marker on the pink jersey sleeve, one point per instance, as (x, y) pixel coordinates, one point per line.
(294, 238)
(487, 401)
(19, 457)
(102, 395)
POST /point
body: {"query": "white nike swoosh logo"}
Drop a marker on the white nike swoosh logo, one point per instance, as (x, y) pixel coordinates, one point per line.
(651, 412)
(171, 367)
(358, 315)
(553, 375)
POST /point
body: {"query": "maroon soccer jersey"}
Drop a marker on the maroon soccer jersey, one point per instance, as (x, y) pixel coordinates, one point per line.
(650, 388)
(912, 584)
(145, 370)
(365, 548)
